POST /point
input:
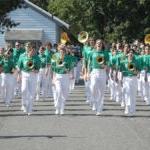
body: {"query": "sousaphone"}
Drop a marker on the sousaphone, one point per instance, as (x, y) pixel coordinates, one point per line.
(83, 36)
(147, 39)
(64, 38)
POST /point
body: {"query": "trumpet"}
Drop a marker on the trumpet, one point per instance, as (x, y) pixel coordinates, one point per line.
(83, 36)
(100, 59)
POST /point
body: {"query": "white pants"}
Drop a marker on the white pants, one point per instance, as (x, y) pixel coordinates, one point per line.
(62, 90)
(42, 83)
(98, 85)
(88, 90)
(78, 70)
(130, 91)
(112, 86)
(7, 87)
(139, 86)
(144, 86)
(49, 84)
(29, 81)
(72, 81)
(115, 89)
(146, 89)
(17, 89)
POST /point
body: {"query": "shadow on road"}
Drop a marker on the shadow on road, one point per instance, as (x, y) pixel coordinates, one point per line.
(76, 115)
(32, 136)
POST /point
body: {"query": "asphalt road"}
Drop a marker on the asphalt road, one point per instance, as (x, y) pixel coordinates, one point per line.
(78, 129)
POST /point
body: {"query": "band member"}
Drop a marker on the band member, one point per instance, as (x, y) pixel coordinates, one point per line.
(79, 62)
(42, 81)
(141, 76)
(129, 69)
(121, 58)
(1, 56)
(119, 48)
(17, 51)
(7, 84)
(61, 66)
(98, 61)
(113, 83)
(48, 54)
(88, 49)
(145, 75)
(28, 64)
(70, 52)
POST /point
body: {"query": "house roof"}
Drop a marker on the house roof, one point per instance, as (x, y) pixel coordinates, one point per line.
(24, 34)
(47, 14)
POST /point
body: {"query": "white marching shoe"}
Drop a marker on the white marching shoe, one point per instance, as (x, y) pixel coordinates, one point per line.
(57, 112)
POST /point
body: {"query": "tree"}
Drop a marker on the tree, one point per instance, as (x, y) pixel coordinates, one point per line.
(109, 19)
(41, 3)
(5, 7)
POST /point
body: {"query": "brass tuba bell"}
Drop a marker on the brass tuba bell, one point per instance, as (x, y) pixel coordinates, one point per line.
(83, 36)
(131, 67)
(100, 59)
(30, 64)
(147, 39)
(64, 38)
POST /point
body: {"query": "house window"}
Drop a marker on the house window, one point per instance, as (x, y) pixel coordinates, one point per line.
(36, 44)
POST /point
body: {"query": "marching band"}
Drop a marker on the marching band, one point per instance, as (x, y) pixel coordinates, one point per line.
(38, 74)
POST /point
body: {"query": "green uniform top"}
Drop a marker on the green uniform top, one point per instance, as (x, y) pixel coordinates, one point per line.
(119, 51)
(121, 57)
(43, 60)
(16, 54)
(7, 65)
(85, 52)
(113, 61)
(48, 54)
(125, 69)
(145, 62)
(1, 57)
(61, 66)
(24, 65)
(136, 55)
(89, 61)
(95, 55)
(74, 60)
